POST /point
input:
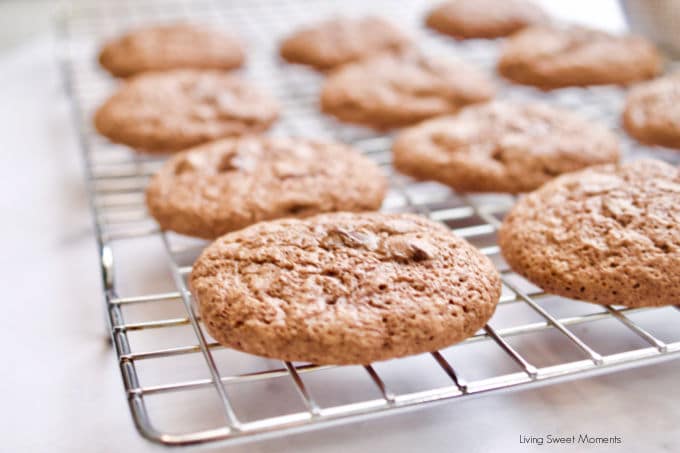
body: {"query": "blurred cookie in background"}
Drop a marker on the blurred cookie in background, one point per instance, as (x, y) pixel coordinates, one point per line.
(555, 57)
(398, 90)
(465, 19)
(652, 112)
(334, 42)
(502, 147)
(172, 46)
(172, 110)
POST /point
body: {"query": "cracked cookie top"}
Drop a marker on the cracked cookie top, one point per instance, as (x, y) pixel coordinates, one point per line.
(171, 46)
(397, 90)
(554, 57)
(342, 40)
(608, 234)
(229, 184)
(502, 147)
(343, 288)
(173, 110)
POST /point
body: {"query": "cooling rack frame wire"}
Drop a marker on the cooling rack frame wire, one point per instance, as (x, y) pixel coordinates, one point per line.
(115, 192)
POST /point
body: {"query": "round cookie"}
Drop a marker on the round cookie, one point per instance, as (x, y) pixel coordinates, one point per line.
(232, 183)
(343, 288)
(652, 112)
(464, 19)
(502, 147)
(397, 90)
(170, 111)
(173, 46)
(338, 41)
(555, 57)
(608, 234)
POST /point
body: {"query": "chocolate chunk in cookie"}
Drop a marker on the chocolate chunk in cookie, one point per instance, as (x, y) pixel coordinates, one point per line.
(464, 19)
(652, 112)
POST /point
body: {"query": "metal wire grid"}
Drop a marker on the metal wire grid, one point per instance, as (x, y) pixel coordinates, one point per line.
(116, 178)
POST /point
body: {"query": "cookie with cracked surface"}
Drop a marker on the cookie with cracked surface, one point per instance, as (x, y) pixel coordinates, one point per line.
(652, 112)
(338, 41)
(226, 185)
(465, 19)
(502, 147)
(555, 57)
(397, 90)
(173, 110)
(608, 234)
(343, 288)
(171, 46)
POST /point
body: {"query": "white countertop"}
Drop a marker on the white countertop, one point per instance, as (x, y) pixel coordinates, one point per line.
(60, 382)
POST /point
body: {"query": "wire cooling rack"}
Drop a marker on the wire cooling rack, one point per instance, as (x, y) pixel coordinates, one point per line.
(183, 388)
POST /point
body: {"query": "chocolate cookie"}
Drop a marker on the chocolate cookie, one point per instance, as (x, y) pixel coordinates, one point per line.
(608, 234)
(229, 184)
(398, 90)
(652, 112)
(553, 57)
(343, 288)
(338, 41)
(169, 111)
(173, 46)
(502, 147)
(465, 19)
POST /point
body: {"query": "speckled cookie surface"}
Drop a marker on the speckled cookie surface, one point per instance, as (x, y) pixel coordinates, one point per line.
(232, 183)
(465, 19)
(343, 288)
(554, 57)
(652, 112)
(338, 41)
(171, 46)
(398, 90)
(608, 234)
(502, 147)
(173, 110)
